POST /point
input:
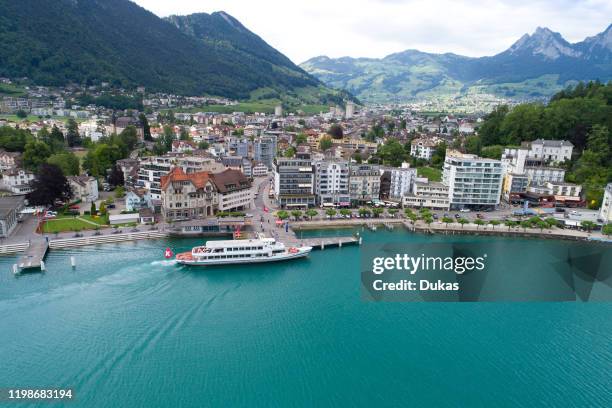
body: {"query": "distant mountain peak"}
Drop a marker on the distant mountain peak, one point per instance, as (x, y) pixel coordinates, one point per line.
(544, 43)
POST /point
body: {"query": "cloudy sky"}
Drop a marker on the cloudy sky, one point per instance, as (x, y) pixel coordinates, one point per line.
(375, 28)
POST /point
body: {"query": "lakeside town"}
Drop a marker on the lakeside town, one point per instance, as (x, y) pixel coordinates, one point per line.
(176, 167)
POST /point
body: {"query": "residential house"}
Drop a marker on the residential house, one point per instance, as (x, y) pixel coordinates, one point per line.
(17, 181)
(84, 188)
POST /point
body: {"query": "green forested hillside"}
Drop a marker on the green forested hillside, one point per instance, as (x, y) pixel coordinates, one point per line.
(582, 115)
(116, 41)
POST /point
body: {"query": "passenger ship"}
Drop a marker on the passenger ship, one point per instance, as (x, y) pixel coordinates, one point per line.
(241, 252)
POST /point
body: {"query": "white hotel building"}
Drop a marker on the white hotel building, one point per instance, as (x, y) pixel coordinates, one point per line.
(472, 181)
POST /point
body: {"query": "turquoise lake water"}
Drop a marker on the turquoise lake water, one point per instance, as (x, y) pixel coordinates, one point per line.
(128, 329)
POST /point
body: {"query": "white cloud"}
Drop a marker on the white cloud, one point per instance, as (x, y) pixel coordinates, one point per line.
(375, 28)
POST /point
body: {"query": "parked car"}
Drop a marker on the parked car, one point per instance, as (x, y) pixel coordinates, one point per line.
(111, 206)
(465, 210)
(457, 216)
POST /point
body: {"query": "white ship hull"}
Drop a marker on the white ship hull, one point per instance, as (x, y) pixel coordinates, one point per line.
(194, 261)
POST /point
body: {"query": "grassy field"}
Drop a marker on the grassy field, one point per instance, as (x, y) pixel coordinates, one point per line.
(100, 220)
(431, 173)
(11, 90)
(34, 118)
(63, 224)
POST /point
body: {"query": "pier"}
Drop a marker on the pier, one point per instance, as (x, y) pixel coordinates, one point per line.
(34, 255)
(323, 242)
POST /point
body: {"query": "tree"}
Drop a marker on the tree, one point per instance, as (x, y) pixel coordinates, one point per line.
(282, 214)
(330, 212)
(325, 143)
(203, 145)
(336, 131)
(21, 114)
(290, 152)
(428, 220)
(392, 211)
(551, 222)
(525, 224)
(300, 139)
(129, 137)
(120, 192)
(479, 222)
(296, 214)
(607, 229)
(490, 129)
(164, 143)
(184, 134)
(101, 158)
(92, 209)
(345, 212)
(116, 178)
(146, 129)
(541, 225)
(377, 211)
(494, 223)
(462, 221)
(67, 161)
(392, 152)
(35, 154)
(447, 220)
(588, 225)
(510, 224)
(72, 133)
(49, 186)
(102, 208)
(14, 139)
(408, 212)
(311, 213)
(364, 211)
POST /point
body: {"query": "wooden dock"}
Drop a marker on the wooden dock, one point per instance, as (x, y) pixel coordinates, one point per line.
(33, 258)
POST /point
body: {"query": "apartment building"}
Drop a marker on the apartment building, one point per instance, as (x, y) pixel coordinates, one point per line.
(364, 183)
(264, 150)
(472, 181)
(187, 196)
(332, 183)
(423, 148)
(401, 181)
(294, 182)
(233, 190)
(427, 194)
(150, 172)
(605, 212)
(555, 151)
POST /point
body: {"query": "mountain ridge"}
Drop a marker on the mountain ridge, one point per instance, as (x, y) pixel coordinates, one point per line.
(534, 66)
(116, 41)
